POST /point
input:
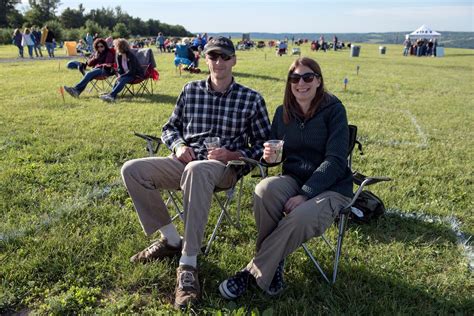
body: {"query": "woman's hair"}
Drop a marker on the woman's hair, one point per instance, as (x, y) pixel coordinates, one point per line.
(27, 31)
(122, 45)
(16, 31)
(290, 105)
(100, 41)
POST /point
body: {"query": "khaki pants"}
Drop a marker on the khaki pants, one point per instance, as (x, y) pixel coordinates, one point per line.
(144, 178)
(279, 235)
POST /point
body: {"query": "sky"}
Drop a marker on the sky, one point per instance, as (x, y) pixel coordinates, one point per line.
(303, 16)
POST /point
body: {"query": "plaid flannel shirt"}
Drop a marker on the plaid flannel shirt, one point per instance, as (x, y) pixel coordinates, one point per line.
(238, 116)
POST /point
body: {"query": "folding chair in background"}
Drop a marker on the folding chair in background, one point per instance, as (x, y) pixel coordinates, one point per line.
(224, 197)
(145, 84)
(341, 219)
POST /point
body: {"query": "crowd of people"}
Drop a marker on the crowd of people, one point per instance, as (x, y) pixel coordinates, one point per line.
(289, 209)
(34, 39)
(420, 47)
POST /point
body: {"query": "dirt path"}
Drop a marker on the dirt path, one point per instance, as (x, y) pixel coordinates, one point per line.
(36, 59)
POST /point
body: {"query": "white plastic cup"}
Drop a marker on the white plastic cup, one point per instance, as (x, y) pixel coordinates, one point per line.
(212, 143)
(276, 146)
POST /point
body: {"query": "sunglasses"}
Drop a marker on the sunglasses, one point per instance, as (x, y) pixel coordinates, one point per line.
(307, 77)
(214, 56)
(100, 46)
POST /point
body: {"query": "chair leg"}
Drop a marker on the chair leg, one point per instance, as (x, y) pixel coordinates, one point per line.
(214, 232)
(310, 255)
(175, 201)
(341, 231)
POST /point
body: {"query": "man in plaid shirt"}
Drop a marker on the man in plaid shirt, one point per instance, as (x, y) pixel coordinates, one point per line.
(216, 107)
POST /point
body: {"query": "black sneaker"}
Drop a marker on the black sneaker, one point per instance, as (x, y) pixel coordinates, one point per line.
(277, 285)
(72, 91)
(236, 286)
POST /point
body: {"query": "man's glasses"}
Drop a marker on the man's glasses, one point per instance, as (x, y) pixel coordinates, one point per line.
(307, 77)
(214, 56)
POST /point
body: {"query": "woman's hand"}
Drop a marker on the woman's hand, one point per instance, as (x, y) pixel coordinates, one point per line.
(268, 152)
(294, 202)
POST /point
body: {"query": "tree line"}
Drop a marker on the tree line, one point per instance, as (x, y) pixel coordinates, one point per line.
(73, 24)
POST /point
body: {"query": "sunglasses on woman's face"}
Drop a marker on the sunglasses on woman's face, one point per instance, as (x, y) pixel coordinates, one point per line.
(100, 46)
(215, 56)
(307, 77)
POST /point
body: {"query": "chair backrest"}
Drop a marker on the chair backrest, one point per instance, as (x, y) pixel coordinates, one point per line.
(352, 138)
(182, 50)
(145, 56)
(352, 143)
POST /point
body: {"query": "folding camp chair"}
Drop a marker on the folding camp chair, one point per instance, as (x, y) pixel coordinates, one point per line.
(144, 84)
(152, 147)
(102, 84)
(342, 218)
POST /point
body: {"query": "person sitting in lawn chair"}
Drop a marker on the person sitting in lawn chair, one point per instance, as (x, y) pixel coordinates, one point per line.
(186, 56)
(282, 48)
(315, 184)
(102, 61)
(242, 124)
(128, 69)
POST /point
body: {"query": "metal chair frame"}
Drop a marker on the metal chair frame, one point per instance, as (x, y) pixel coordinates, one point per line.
(360, 180)
(144, 84)
(152, 147)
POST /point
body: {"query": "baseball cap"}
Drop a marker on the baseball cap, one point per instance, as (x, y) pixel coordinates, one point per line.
(220, 44)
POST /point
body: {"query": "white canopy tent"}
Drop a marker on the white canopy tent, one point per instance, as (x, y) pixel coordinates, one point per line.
(424, 32)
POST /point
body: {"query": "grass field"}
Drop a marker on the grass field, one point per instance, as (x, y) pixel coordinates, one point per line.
(68, 226)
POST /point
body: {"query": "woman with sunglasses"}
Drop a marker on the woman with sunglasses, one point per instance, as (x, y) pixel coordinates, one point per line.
(315, 183)
(102, 63)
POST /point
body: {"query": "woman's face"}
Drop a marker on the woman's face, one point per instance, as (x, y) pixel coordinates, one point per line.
(100, 47)
(303, 91)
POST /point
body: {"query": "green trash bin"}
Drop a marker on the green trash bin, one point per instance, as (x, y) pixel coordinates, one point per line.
(355, 50)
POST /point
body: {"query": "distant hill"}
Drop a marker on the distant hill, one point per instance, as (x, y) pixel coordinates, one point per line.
(448, 39)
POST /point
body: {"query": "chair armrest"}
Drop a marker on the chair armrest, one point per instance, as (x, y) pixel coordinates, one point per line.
(153, 143)
(362, 181)
(262, 166)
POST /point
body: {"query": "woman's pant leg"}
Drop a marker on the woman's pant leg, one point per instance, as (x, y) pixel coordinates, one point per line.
(309, 219)
(270, 197)
(120, 84)
(90, 75)
(30, 50)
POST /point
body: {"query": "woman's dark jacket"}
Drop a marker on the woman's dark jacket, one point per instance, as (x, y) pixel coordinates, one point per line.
(315, 149)
(134, 67)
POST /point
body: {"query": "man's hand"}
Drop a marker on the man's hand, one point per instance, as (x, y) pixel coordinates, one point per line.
(223, 155)
(294, 202)
(185, 154)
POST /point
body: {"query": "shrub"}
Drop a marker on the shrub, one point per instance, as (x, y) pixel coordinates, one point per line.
(6, 36)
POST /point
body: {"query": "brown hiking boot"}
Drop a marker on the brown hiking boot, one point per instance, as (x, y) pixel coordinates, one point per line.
(158, 250)
(187, 290)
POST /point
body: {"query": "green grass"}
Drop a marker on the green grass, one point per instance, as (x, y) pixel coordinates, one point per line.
(68, 245)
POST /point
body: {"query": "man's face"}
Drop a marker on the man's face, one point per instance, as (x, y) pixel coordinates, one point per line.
(220, 65)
